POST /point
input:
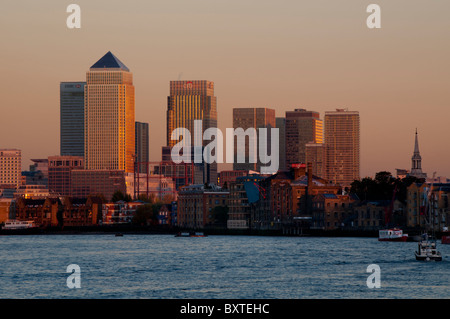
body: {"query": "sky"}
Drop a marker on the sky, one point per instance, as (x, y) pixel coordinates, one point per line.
(286, 54)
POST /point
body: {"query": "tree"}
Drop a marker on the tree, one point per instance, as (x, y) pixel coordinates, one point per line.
(118, 196)
(144, 215)
(220, 215)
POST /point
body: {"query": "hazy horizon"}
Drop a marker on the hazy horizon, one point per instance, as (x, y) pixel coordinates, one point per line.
(317, 55)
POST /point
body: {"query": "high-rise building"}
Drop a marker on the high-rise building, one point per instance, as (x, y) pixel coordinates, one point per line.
(109, 116)
(281, 125)
(316, 154)
(343, 146)
(10, 168)
(72, 118)
(302, 127)
(253, 118)
(60, 173)
(416, 161)
(142, 146)
(189, 101)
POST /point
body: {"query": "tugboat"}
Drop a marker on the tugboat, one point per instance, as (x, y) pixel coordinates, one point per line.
(427, 249)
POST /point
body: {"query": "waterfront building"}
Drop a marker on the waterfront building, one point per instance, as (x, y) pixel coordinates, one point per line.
(142, 146)
(161, 187)
(370, 215)
(229, 176)
(252, 118)
(197, 204)
(302, 127)
(60, 173)
(109, 116)
(42, 211)
(72, 118)
(104, 183)
(7, 209)
(10, 168)
(244, 194)
(342, 138)
(32, 192)
(120, 212)
(189, 101)
(333, 211)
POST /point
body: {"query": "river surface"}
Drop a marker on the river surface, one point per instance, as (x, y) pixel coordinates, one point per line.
(216, 267)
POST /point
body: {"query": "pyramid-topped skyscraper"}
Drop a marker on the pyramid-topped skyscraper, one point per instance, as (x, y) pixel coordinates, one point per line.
(109, 116)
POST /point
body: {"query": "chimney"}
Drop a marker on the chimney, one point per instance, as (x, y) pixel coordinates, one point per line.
(299, 170)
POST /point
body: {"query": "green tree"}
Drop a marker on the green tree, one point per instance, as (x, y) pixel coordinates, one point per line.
(144, 215)
(118, 196)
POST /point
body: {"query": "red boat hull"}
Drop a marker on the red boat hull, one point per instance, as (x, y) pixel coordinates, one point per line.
(401, 239)
(445, 240)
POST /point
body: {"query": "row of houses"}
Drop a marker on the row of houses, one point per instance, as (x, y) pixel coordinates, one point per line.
(299, 199)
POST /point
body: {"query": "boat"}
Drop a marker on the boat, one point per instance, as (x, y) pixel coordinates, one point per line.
(427, 249)
(445, 239)
(13, 224)
(392, 234)
(119, 235)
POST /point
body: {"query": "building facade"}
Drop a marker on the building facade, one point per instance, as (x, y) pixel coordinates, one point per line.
(196, 204)
(142, 147)
(302, 127)
(342, 138)
(252, 118)
(60, 173)
(10, 168)
(104, 183)
(109, 116)
(72, 118)
(190, 101)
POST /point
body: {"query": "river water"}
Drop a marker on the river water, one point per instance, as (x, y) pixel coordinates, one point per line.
(216, 267)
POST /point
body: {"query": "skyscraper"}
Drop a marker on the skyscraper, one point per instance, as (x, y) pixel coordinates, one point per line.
(72, 118)
(343, 146)
(302, 127)
(109, 116)
(189, 101)
(247, 118)
(142, 148)
(281, 125)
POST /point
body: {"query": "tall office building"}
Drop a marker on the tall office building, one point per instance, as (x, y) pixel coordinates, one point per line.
(142, 147)
(316, 154)
(189, 101)
(72, 118)
(109, 116)
(343, 143)
(256, 118)
(10, 168)
(281, 125)
(302, 127)
(60, 173)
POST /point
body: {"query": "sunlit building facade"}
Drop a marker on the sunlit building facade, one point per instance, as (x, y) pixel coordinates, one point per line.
(302, 127)
(109, 116)
(10, 168)
(342, 138)
(190, 101)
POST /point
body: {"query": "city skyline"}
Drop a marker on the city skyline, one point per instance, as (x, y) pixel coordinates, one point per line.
(385, 74)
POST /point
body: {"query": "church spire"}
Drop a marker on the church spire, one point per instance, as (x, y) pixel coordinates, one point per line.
(416, 169)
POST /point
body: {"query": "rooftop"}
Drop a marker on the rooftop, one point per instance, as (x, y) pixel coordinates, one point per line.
(109, 61)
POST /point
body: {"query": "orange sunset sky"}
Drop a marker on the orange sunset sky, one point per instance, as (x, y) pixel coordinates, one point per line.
(285, 54)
